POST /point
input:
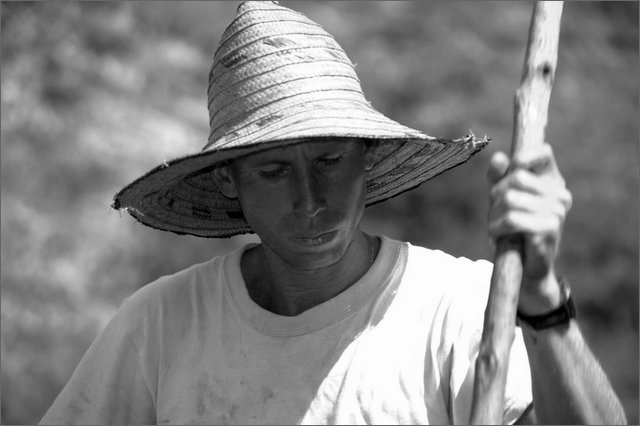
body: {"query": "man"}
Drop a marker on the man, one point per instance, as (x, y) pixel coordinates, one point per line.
(321, 322)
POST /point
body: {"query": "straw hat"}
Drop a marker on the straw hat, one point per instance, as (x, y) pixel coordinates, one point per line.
(278, 77)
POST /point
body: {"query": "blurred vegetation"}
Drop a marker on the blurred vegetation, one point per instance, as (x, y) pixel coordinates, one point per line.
(96, 93)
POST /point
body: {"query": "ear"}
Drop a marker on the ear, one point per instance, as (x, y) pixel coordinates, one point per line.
(223, 179)
(370, 154)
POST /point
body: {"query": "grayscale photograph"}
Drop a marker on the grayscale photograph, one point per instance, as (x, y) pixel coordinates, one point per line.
(319, 212)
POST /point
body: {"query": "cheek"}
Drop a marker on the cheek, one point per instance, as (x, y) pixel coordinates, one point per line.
(267, 210)
(260, 206)
(346, 196)
(352, 184)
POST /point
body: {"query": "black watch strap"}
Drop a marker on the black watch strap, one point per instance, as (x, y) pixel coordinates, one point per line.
(559, 316)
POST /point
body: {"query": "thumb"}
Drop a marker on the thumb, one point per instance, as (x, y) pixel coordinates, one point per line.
(498, 166)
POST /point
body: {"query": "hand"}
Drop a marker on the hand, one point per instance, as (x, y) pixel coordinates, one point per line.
(529, 197)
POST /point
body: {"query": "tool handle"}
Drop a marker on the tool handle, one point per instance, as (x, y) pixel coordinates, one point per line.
(530, 119)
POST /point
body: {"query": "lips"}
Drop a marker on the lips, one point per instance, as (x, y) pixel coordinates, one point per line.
(316, 239)
(311, 237)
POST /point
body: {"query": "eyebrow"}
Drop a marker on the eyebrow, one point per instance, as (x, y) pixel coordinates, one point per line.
(337, 148)
(256, 163)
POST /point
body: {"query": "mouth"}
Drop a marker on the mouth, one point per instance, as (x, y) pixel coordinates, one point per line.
(317, 239)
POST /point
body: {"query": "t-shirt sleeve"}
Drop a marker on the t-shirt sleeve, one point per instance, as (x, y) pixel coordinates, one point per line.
(108, 386)
(470, 310)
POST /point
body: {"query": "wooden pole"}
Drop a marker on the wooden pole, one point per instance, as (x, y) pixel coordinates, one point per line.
(530, 120)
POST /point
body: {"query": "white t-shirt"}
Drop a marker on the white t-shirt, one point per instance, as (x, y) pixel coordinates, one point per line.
(397, 347)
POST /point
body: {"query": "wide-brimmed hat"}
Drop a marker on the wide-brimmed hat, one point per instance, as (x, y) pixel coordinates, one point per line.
(278, 78)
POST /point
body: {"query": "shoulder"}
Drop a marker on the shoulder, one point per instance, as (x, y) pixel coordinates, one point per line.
(453, 273)
(159, 303)
(176, 285)
(450, 290)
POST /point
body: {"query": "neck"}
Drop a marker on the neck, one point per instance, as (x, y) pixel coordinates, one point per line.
(285, 290)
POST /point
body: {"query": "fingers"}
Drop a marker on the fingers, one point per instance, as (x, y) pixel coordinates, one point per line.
(513, 210)
(538, 160)
(498, 166)
(534, 171)
(524, 222)
(552, 187)
(528, 194)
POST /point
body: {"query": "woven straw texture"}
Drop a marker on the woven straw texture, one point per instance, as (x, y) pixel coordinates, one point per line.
(278, 77)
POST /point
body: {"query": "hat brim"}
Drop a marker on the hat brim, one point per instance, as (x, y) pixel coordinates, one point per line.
(278, 78)
(181, 197)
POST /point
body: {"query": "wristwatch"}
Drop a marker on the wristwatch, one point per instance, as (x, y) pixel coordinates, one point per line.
(559, 316)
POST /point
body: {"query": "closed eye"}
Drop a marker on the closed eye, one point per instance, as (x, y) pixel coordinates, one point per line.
(328, 161)
(272, 173)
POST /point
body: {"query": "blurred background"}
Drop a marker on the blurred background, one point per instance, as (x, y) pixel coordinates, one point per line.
(96, 93)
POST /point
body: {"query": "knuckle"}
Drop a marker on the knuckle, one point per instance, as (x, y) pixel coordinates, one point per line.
(510, 198)
(511, 219)
(519, 160)
(495, 158)
(519, 177)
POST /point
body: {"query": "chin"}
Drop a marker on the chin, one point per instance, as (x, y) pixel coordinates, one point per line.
(305, 257)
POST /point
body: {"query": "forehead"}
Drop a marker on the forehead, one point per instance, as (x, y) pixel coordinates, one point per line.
(309, 148)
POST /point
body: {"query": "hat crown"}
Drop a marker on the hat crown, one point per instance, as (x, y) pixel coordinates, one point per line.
(278, 77)
(273, 62)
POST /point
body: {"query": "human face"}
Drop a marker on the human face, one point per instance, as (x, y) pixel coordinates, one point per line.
(304, 201)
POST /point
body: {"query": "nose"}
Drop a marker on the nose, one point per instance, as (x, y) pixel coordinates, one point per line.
(309, 200)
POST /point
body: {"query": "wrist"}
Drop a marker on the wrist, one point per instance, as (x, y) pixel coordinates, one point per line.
(540, 295)
(561, 315)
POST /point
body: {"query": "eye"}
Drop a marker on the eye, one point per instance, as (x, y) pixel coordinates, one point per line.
(272, 172)
(331, 160)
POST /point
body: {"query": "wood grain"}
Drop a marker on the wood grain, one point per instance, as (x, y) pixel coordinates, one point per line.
(530, 120)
